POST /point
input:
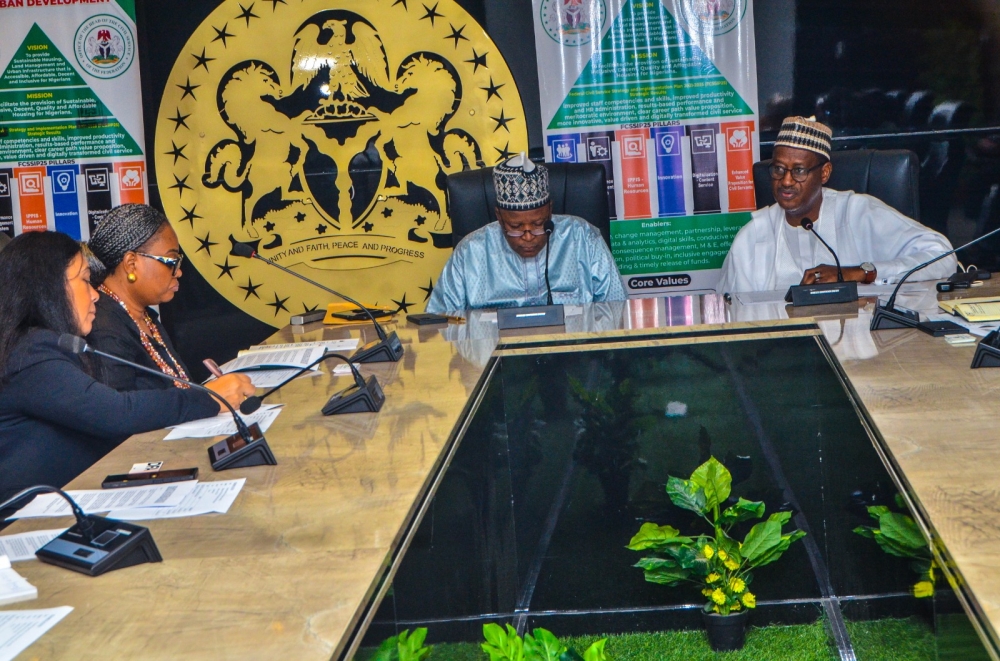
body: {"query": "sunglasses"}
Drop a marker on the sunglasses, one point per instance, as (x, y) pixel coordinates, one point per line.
(173, 262)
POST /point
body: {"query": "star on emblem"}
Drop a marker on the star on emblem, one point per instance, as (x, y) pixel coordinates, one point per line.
(502, 121)
(306, 309)
(190, 216)
(477, 61)
(222, 35)
(401, 2)
(321, 229)
(226, 269)
(505, 153)
(250, 288)
(247, 14)
(180, 185)
(176, 152)
(278, 305)
(493, 90)
(178, 120)
(386, 212)
(428, 290)
(368, 227)
(300, 216)
(432, 13)
(275, 3)
(404, 306)
(456, 34)
(206, 244)
(202, 60)
(420, 220)
(188, 90)
(269, 226)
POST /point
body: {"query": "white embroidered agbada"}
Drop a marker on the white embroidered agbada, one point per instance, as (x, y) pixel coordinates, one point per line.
(768, 253)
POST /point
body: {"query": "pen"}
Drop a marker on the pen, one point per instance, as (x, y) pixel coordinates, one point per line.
(212, 366)
(455, 320)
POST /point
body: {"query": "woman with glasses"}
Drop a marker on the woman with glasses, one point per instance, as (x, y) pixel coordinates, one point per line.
(142, 258)
(55, 418)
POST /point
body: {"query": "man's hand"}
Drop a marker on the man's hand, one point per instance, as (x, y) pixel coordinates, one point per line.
(825, 273)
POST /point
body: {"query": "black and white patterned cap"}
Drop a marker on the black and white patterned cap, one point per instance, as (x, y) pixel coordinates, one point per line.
(808, 134)
(520, 184)
(125, 228)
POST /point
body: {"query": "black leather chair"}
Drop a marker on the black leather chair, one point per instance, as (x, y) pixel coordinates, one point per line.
(891, 175)
(577, 189)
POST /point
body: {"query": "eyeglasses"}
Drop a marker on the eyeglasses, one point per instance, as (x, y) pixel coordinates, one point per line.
(516, 234)
(173, 262)
(799, 173)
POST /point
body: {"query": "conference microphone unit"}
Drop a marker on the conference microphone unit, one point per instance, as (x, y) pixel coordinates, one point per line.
(387, 348)
(535, 316)
(94, 545)
(819, 294)
(247, 447)
(888, 317)
(550, 227)
(362, 397)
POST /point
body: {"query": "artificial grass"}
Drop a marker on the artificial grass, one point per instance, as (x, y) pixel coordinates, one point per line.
(892, 640)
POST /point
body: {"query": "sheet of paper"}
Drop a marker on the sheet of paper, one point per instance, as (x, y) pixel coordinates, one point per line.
(207, 498)
(271, 378)
(349, 344)
(223, 424)
(13, 586)
(22, 546)
(257, 360)
(19, 629)
(488, 316)
(93, 501)
(572, 310)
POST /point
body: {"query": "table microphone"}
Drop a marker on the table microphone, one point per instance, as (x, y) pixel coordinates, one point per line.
(550, 227)
(248, 440)
(387, 348)
(807, 225)
(95, 544)
(360, 398)
(887, 316)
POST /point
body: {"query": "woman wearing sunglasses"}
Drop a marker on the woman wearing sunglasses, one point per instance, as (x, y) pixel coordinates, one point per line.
(139, 249)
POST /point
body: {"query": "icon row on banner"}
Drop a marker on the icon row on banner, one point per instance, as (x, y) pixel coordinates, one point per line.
(668, 170)
(71, 198)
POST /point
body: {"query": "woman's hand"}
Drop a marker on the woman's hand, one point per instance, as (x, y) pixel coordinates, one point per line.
(234, 388)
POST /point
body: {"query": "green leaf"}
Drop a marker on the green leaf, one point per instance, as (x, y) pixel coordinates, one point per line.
(386, 651)
(651, 535)
(653, 564)
(571, 655)
(865, 531)
(596, 651)
(502, 645)
(900, 501)
(543, 646)
(743, 510)
(781, 517)
(411, 646)
(761, 539)
(875, 511)
(892, 547)
(901, 529)
(670, 577)
(686, 494)
(715, 480)
(686, 556)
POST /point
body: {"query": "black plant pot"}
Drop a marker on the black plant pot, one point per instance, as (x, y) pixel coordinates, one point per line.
(726, 633)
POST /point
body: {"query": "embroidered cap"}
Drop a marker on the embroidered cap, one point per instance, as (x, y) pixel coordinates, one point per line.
(520, 184)
(802, 133)
(124, 229)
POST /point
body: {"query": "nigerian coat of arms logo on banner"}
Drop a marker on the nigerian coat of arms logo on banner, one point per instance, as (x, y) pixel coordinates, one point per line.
(321, 132)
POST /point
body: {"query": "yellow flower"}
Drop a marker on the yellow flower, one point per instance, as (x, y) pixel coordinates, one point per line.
(731, 564)
(707, 592)
(713, 577)
(735, 607)
(718, 596)
(723, 555)
(715, 609)
(708, 551)
(737, 585)
(923, 589)
(749, 600)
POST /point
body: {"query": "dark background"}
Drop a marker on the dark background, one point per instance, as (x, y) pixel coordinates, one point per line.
(913, 74)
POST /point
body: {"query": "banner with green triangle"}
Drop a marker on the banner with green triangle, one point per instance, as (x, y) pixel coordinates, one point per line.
(71, 136)
(662, 93)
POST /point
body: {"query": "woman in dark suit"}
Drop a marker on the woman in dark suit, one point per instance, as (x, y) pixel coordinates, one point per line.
(55, 418)
(142, 258)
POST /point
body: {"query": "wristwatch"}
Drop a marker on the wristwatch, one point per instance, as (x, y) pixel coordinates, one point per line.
(870, 272)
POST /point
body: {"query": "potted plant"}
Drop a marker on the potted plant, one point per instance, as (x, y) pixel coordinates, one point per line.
(720, 565)
(897, 534)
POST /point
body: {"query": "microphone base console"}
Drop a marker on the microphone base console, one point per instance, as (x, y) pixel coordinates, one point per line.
(107, 545)
(530, 317)
(389, 350)
(833, 292)
(987, 351)
(886, 319)
(235, 452)
(356, 399)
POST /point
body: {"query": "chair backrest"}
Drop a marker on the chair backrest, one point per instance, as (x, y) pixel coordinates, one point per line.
(891, 175)
(577, 189)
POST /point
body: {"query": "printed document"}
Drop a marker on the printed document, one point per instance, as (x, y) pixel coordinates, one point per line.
(93, 501)
(19, 629)
(223, 424)
(22, 546)
(207, 498)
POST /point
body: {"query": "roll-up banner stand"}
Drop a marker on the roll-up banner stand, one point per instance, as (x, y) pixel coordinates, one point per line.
(664, 96)
(71, 136)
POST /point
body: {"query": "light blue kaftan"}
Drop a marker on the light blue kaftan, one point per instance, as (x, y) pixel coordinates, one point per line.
(484, 271)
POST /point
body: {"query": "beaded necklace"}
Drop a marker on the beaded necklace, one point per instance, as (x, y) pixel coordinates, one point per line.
(176, 370)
